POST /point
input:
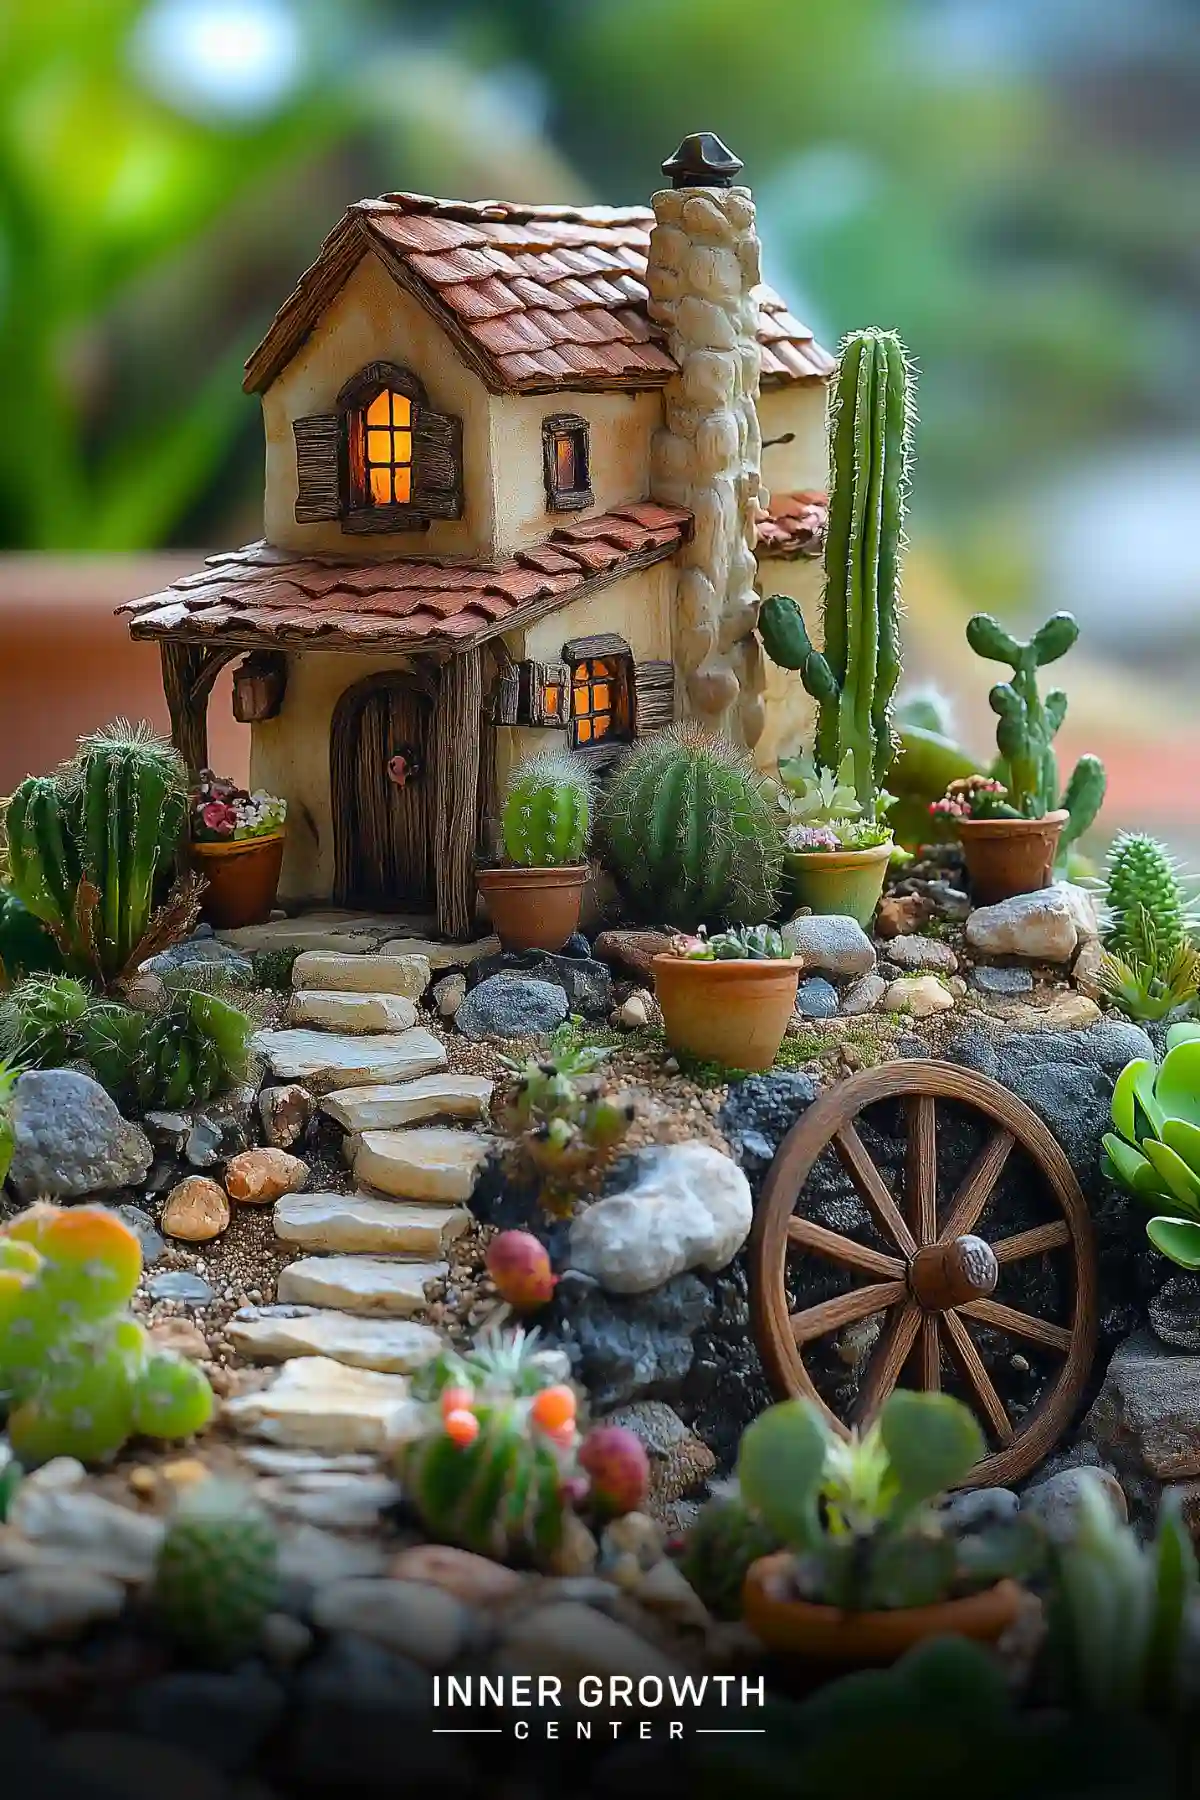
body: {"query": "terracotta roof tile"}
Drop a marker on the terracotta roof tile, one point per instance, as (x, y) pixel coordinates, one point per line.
(480, 261)
(259, 597)
(794, 525)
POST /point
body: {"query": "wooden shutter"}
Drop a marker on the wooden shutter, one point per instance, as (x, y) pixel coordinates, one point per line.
(545, 693)
(506, 696)
(654, 696)
(437, 464)
(318, 464)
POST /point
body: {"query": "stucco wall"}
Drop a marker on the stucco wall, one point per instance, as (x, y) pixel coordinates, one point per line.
(618, 454)
(798, 467)
(804, 463)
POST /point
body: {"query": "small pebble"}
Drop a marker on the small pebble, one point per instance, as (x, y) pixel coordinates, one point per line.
(177, 1284)
(816, 998)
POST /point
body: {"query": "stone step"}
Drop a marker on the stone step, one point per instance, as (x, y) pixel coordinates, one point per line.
(323, 1060)
(332, 1010)
(303, 934)
(387, 1106)
(334, 973)
(375, 1287)
(439, 955)
(315, 1403)
(365, 1224)
(430, 1162)
(277, 1333)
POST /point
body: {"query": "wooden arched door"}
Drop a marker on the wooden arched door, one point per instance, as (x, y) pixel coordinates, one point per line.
(383, 831)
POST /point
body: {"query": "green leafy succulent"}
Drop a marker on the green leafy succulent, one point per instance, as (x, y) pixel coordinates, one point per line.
(1155, 1150)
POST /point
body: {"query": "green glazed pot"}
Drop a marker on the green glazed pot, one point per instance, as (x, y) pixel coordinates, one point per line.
(838, 881)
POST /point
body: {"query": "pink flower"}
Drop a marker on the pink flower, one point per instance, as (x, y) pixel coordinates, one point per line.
(216, 816)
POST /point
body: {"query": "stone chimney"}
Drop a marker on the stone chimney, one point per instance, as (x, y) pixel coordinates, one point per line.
(702, 268)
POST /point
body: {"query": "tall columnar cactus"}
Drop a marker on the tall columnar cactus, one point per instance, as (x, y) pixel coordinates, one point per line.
(87, 848)
(689, 833)
(77, 1374)
(1027, 724)
(547, 811)
(854, 677)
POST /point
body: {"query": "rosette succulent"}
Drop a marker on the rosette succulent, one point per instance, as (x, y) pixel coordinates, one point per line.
(1155, 1150)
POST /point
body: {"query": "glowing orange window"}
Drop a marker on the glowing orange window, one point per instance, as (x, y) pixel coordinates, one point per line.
(381, 450)
(596, 699)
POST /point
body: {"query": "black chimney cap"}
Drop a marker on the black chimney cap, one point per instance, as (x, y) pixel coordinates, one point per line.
(702, 160)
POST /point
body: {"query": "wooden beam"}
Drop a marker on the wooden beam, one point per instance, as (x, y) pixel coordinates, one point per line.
(188, 673)
(458, 723)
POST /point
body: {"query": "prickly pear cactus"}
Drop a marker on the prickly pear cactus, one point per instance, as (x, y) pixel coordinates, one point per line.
(217, 1576)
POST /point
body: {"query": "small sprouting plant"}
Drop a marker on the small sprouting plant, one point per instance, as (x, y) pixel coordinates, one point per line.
(742, 943)
(547, 811)
(564, 1128)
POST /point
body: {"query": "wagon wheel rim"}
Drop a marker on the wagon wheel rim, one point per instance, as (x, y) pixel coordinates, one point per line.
(931, 1277)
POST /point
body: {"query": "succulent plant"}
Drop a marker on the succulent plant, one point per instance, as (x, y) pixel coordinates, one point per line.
(217, 1575)
(10, 1074)
(726, 1537)
(26, 947)
(1151, 967)
(564, 1129)
(547, 811)
(1155, 1150)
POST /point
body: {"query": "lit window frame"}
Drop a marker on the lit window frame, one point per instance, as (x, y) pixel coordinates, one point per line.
(602, 686)
(360, 513)
(571, 429)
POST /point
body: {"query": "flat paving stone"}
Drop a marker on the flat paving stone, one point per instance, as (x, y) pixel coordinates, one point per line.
(388, 1106)
(331, 972)
(277, 1333)
(315, 1403)
(430, 1162)
(331, 1010)
(325, 1060)
(367, 1225)
(369, 1286)
(299, 934)
(439, 955)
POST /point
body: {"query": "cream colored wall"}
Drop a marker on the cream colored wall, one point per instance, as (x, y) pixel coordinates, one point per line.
(620, 424)
(373, 320)
(289, 755)
(804, 463)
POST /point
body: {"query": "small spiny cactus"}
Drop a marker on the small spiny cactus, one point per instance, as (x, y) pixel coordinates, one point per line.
(217, 1575)
(1143, 876)
(547, 811)
(719, 1548)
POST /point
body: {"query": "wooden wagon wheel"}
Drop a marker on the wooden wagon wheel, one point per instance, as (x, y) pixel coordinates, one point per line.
(939, 1273)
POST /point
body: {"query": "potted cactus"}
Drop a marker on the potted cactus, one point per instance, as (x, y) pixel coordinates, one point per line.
(871, 1568)
(1014, 837)
(728, 998)
(535, 894)
(853, 679)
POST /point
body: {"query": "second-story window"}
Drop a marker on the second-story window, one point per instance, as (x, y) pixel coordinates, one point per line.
(565, 462)
(381, 450)
(383, 460)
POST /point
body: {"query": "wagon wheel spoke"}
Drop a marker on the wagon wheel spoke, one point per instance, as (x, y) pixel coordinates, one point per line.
(977, 1378)
(930, 1352)
(977, 1185)
(844, 1309)
(1055, 1236)
(836, 1248)
(920, 1177)
(887, 1360)
(872, 1188)
(1019, 1324)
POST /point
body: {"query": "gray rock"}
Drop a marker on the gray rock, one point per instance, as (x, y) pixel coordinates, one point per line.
(816, 998)
(180, 1284)
(511, 1006)
(576, 945)
(990, 980)
(285, 1112)
(1146, 1417)
(1175, 1312)
(222, 1718)
(688, 1207)
(145, 1230)
(1046, 926)
(354, 1705)
(207, 952)
(56, 1604)
(203, 1146)
(586, 982)
(409, 1617)
(758, 1114)
(83, 1530)
(864, 996)
(448, 993)
(950, 901)
(624, 1348)
(167, 1130)
(70, 1140)
(1056, 1500)
(977, 1508)
(916, 952)
(832, 942)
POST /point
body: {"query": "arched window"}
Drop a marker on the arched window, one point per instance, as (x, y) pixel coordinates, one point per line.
(380, 446)
(383, 461)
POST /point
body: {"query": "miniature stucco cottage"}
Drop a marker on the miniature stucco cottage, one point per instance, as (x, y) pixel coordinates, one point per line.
(516, 488)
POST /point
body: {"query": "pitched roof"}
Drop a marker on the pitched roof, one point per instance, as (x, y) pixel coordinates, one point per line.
(534, 297)
(260, 596)
(794, 526)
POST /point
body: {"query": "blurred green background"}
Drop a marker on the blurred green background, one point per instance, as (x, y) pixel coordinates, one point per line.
(1010, 183)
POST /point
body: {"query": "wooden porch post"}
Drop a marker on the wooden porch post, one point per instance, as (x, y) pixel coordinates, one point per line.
(188, 674)
(457, 724)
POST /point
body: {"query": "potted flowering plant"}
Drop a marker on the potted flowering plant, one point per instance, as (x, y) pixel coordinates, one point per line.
(728, 998)
(1007, 852)
(237, 845)
(836, 856)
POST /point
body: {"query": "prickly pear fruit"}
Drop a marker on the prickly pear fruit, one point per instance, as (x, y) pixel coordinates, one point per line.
(520, 1267)
(618, 1466)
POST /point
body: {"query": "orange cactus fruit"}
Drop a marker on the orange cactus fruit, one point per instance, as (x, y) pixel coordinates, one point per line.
(553, 1410)
(619, 1468)
(462, 1427)
(520, 1267)
(455, 1399)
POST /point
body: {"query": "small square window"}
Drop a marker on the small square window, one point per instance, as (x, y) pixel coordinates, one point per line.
(565, 462)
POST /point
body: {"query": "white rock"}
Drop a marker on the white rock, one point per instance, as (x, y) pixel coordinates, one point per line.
(1043, 926)
(918, 995)
(268, 1459)
(1083, 909)
(317, 1404)
(634, 1012)
(430, 1162)
(87, 1530)
(410, 1617)
(571, 1640)
(689, 1208)
(370, 1286)
(310, 1558)
(326, 970)
(833, 942)
(324, 1060)
(334, 1501)
(57, 1603)
(442, 956)
(330, 1010)
(363, 1223)
(276, 1333)
(386, 1107)
(299, 934)
(864, 996)
(915, 952)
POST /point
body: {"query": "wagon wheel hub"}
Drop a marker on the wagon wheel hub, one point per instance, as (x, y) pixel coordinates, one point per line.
(942, 1276)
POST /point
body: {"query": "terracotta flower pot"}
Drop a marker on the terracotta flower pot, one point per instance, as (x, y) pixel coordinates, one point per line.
(838, 881)
(533, 909)
(1009, 856)
(242, 877)
(733, 1013)
(827, 1636)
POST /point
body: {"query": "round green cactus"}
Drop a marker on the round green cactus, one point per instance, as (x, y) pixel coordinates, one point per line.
(547, 811)
(1143, 877)
(217, 1575)
(719, 1548)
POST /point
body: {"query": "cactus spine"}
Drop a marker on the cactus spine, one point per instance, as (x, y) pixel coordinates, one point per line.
(689, 834)
(1027, 724)
(854, 678)
(1143, 878)
(547, 811)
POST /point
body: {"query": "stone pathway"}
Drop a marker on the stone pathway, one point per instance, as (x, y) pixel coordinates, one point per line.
(346, 1323)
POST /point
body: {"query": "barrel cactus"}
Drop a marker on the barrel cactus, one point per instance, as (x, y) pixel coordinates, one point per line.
(688, 832)
(547, 811)
(853, 678)
(217, 1575)
(726, 1537)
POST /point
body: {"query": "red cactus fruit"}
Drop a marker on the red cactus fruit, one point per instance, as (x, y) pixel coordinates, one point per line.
(456, 1399)
(518, 1264)
(462, 1427)
(619, 1468)
(553, 1410)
